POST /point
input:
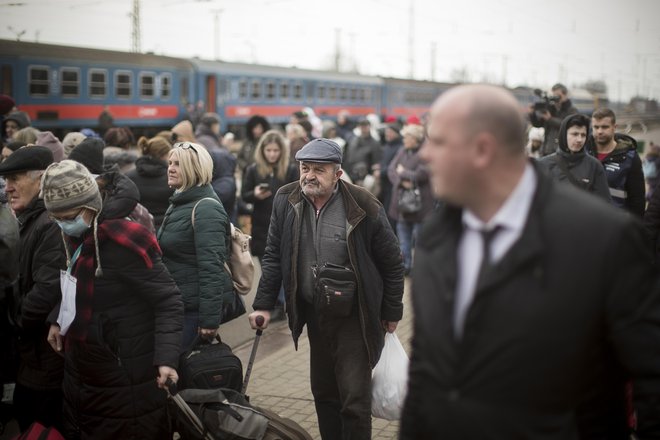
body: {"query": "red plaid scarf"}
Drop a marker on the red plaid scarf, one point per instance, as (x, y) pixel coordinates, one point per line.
(123, 232)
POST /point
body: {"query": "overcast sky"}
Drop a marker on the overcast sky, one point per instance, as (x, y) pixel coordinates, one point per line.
(516, 42)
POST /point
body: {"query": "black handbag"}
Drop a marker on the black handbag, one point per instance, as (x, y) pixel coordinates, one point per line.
(410, 200)
(334, 290)
(207, 365)
(232, 307)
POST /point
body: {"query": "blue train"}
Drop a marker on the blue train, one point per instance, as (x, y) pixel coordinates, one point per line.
(65, 88)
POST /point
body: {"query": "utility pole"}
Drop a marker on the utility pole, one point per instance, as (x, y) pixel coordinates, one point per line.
(411, 39)
(337, 48)
(216, 32)
(136, 33)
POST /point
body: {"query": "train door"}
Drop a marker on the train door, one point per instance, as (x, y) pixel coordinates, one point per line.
(6, 81)
(211, 93)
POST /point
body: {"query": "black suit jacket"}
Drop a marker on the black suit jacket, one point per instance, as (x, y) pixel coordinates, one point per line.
(570, 292)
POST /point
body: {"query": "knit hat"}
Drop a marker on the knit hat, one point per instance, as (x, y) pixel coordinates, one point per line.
(89, 152)
(48, 140)
(67, 185)
(71, 140)
(26, 159)
(6, 104)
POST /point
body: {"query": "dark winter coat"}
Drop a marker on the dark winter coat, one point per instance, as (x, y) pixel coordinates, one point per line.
(223, 180)
(625, 177)
(263, 208)
(652, 225)
(150, 176)
(40, 260)
(360, 156)
(136, 320)
(372, 248)
(417, 173)
(573, 288)
(195, 255)
(586, 171)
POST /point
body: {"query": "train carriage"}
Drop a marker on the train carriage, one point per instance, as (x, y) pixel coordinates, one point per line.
(65, 87)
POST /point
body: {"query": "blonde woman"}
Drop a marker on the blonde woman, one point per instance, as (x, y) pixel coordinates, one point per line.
(194, 254)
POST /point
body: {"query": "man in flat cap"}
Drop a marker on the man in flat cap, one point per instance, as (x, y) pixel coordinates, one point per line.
(37, 396)
(332, 247)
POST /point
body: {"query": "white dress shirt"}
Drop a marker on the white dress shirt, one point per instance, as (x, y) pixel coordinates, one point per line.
(511, 219)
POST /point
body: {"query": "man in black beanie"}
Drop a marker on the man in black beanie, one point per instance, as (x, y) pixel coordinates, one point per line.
(38, 395)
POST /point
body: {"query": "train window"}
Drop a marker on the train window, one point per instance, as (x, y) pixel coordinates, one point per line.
(367, 94)
(70, 83)
(270, 90)
(343, 93)
(284, 90)
(361, 95)
(256, 89)
(165, 85)
(184, 89)
(123, 84)
(242, 89)
(332, 93)
(147, 83)
(98, 83)
(297, 91)
(39, 81)
(354, 94)
(321, 92)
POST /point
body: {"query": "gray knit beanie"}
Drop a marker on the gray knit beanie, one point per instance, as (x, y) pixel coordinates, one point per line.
(67, 185)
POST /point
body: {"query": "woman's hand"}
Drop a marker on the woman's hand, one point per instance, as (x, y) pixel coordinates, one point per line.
(165, 373)
(262, 192)
(208, 333)
(55, 338)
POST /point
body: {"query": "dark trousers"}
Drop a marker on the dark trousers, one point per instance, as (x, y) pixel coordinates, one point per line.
(43, 406)
(340, 377)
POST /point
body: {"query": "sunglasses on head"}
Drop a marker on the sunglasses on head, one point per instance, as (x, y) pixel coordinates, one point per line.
(186, 146)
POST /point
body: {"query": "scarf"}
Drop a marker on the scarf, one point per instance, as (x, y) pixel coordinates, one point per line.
(128, 234)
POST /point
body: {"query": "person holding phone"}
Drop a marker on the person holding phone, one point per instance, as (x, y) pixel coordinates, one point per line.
(271, 169)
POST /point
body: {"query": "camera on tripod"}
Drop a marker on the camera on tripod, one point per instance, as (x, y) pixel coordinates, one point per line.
(547, 103)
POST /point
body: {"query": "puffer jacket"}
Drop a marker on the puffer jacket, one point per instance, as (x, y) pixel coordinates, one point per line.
(136, 320)
(40, 260)
(195, 254)
(373, 251)
(150, 176)
(586, 171)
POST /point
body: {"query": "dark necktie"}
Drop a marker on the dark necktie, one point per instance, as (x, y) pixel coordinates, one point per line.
(487, 237)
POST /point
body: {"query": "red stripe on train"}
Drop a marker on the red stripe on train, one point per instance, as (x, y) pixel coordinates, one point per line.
(79, 111)
(245, 111)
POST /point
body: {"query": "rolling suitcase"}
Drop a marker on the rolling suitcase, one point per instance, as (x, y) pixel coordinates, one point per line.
(210, 366)
(219, 414)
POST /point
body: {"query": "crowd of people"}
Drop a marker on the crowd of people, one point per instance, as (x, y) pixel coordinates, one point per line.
(535, 304)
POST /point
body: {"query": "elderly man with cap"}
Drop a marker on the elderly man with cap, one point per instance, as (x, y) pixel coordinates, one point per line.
(329, 235)
(37, 396)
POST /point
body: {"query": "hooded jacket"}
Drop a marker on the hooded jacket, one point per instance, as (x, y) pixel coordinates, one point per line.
(373, 252)
(625, 177)
(150, 177)
(577, 168)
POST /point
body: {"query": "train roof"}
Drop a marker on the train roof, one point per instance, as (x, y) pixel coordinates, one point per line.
(57, 52)
(284, 72)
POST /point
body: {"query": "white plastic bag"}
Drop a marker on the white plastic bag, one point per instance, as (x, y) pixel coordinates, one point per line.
(389, 382)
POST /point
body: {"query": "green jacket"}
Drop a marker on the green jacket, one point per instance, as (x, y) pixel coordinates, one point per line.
(195, 255)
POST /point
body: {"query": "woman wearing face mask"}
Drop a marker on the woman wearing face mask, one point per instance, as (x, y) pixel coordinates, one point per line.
(195, 254)
(571, 164)
(119, 323)
(271, 169)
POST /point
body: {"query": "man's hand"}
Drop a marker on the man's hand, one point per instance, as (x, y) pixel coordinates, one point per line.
(165, 373)
(252, 317)
(55, 339)
(390, 326)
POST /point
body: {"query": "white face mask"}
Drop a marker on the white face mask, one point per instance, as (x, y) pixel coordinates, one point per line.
(75, 227)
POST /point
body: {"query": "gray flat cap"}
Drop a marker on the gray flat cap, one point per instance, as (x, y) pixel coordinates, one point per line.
(320, 150)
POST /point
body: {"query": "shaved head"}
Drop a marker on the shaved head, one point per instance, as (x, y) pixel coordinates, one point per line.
(485, 108)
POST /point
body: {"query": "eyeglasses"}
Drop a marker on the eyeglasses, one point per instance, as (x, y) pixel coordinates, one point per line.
(67, 217)
(186, 146)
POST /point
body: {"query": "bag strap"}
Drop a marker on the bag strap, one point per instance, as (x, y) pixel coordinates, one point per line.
(195, 207)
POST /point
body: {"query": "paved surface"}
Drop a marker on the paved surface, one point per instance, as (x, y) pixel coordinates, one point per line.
(280, 376)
